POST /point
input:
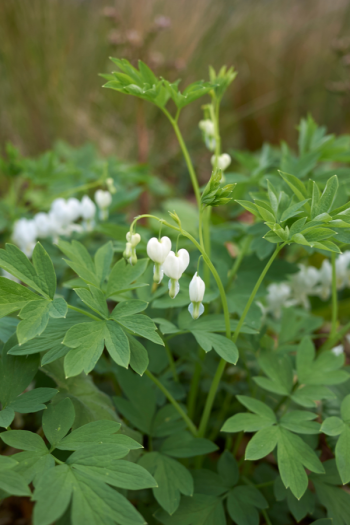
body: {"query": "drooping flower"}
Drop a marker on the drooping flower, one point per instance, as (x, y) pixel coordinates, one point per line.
(208, 128)
(223, 161)
(303, 284)
(197, 290)
(338, 350)
(88, 211)
(103, 200)
(277, 297)
(25, 235)
(129, 254)
(323, 289)
(173, 267)
(342, 270)
(158, 251)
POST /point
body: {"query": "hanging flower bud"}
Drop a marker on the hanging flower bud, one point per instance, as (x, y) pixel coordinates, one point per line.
(197, 289)
(103, 200)
(223, 161)
(110, 185)
(208, 128)
(158, 251)
(130, 250)
(173, 267)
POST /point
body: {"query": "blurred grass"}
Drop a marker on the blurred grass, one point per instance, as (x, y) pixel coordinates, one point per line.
(52, 50)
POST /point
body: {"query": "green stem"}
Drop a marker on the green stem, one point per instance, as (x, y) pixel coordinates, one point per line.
(221, 367)
(266, 516)
(171, 361)
(84, 312)
(191, 426)
(332, 341)
(334, 298)
(186, 155)
(200, 228)
(254, 292)
(238, 260)
(192, 396)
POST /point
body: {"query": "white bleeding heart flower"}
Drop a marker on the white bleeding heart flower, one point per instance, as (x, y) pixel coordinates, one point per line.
(207, 126)
(25, 235)
(60, 212)
(303, 284)
(223, 161)
(196, 290)
(338, 350)
(323, 289)
(103, 200)
(74, 209)
(173, 267)
(45, 225)
(157, 251)
(342, 270)
(88, 208)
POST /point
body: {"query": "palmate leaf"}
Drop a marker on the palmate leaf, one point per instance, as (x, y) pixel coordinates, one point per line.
(334, 426)
(16, 373)
(35, 310)
(242, 505)
(40, 276)
(173, 479)
(330, 495)
(293, 454)
(197, 510)
(10, 481)
(85, 477)
(88, 341)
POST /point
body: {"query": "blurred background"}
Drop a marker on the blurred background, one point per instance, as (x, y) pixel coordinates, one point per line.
(292, 58)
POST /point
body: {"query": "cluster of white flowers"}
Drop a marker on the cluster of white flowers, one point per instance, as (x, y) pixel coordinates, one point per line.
(309, 281)
(166, 262)
(61, 220)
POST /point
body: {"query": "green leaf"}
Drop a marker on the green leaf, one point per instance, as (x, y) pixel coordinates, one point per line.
(336, 500)
(13, 483)
(44, 270)
(292, 455)
(80, 261)
(183, 445)
(279, 370)
(35, 316)
(103, 260)
(7, 328)
(58, 308)
(293, 210)
(16, 373)
(88, 340)
(58, 419)
(172, 478)
(7, 415)
(40, 275)
(242, 503)
(326, 200)
(98, 461)
(342, 455)
(223, 346)
(300, 422)
(123, 274)
(143, 326)
(296, 186)
(258, 407)
(52, 494)
(246, 422)
(307, 396)
(33, 401)
(94, 432)
(127, 308)
(323, 370)
(14, 296)
(332, 426)
(228, 469)
(94, 299)
(24, 440)
(138, 355)
(262, 443)
(199, 510)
